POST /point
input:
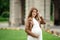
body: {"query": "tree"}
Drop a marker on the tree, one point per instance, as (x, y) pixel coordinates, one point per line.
(4, 6)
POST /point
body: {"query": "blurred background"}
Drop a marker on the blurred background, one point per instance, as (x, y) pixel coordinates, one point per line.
(14, 12)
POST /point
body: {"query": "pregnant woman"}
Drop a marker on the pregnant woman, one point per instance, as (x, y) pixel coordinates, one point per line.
(33, 25)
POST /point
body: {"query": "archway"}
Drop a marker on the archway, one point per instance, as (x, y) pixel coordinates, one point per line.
(23, 10)
(56, 12)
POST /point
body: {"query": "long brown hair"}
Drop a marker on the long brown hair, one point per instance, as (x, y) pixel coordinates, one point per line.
(30, 13)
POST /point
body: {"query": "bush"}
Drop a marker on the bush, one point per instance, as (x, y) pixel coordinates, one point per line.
(5, 14)
(51, 18)
(3, 19)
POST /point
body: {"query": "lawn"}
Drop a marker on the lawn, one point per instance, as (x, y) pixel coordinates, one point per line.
(21, 35)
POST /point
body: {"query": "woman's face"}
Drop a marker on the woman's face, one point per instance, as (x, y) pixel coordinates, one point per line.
(34, 13)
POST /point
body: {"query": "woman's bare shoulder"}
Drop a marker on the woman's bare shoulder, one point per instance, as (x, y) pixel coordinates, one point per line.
(29, 19)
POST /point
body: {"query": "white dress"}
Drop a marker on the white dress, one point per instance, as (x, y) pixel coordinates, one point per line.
(36, 30)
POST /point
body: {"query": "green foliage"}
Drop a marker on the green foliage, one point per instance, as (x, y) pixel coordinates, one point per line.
(51, 10)
(4, 10)
(3, 19)
(4, 6)
(51, 18)
(5, 14)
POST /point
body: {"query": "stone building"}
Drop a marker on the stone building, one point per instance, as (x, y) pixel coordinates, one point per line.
(19, 10)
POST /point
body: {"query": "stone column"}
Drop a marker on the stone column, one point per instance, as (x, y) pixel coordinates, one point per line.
(29, 4)
(39, 4)
(48, 10)
(15, 13)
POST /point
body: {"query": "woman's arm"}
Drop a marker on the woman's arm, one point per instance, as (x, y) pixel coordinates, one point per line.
(27, 29)
(42, 20)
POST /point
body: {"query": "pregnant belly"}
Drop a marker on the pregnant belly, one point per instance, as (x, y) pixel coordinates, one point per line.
(36, 30)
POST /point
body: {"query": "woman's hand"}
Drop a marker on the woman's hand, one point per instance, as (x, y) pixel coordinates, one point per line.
(37, 36)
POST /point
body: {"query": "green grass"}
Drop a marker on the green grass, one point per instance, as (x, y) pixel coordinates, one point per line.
(12, 35)
(21, 35)
(48, 36)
